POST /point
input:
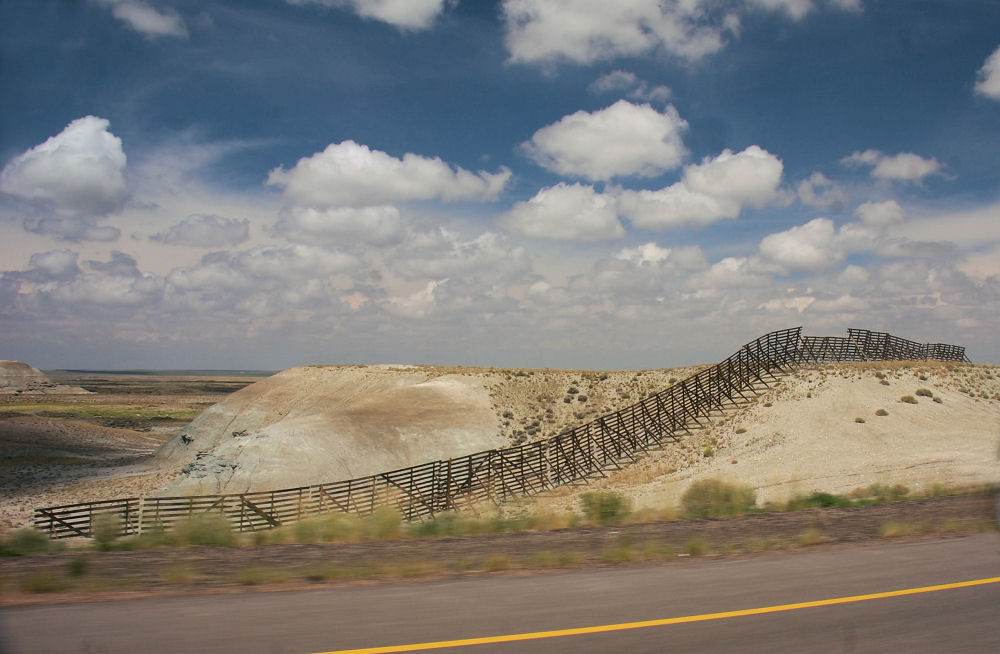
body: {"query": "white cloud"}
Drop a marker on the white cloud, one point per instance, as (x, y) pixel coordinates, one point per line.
(100, 291)
(54, 265)
(733, 273)
(206, 231)
(584, 31)
(710, 191)
(568, 212)
(416, 305)
(404, 14)
(441, 253)
(988, 77)
(80, 171)
(72, 228)
(819, 191)
(796, 9)
(635, 88)
(906, 166)
(351, 175)
(880, 214)
(623, 139)
(810, 247)
(345, 226)
(652, 255)
(145, 19)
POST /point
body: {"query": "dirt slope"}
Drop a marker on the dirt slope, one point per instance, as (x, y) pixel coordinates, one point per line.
(317, 424)
(803, 435)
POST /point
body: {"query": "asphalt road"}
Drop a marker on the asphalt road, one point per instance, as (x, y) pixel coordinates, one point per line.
(965, 619)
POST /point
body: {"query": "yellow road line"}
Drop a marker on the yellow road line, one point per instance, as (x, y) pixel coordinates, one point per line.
(558, 633)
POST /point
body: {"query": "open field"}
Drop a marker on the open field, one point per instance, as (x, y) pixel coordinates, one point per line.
(57, 449)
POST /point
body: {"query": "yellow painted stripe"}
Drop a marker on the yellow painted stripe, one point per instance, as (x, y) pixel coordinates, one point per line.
(558, 633)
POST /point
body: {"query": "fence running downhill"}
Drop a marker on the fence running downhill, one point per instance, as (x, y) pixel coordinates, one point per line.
(581, 452)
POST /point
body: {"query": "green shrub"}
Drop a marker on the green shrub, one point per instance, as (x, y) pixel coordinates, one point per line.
(42, 582)
(106, 529)
(817, 499)
(696, 546)
(712, 497)
(207, 529)
(605, 507)
(26, 541)
(78, 565)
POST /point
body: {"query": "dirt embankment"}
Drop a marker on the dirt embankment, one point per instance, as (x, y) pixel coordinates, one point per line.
(817, 429)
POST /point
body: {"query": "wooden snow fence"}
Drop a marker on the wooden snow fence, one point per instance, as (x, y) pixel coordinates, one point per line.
(581, 452)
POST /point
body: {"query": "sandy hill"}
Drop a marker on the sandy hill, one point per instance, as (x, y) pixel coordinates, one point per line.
(19, 377)
(817, 429)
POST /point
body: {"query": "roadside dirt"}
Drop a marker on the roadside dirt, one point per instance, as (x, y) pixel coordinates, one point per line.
(114, 575)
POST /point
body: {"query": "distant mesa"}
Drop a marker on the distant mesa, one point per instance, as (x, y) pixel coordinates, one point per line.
(18, 377)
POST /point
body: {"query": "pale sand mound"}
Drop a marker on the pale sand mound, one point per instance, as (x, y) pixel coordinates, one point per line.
(318, 424)
(802, 436)
(19, 377)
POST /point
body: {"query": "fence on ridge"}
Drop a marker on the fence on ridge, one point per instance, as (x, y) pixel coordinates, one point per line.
(578, 453)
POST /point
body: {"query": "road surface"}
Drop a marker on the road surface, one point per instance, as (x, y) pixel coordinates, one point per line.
(957, 619)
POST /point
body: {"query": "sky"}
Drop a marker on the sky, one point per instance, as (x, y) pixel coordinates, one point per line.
(260, 184)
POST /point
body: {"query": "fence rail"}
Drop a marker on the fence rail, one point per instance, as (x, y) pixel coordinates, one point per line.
(576, 454)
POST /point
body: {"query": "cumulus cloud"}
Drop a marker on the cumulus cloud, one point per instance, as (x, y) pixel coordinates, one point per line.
(710, 191)
(810, 247)
(53, 265)
(652, 255)
(905, 167)
(569, 212)
(880, 214)
(74, 229)
(207, 231)
(733, 273)
(80, 171)
(584, 31)
(404, 14)
(623, 139)
(988, 77)
(348, 174)
(819, 191)
(369, 225)
(440, 254)
(120, 265)
(796, 9)
(145, 19)
(632, 86)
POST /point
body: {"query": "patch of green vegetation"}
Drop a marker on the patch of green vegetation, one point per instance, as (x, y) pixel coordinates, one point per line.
(696, 546)
(27, 541)
(605, 507)
(817, 500)
(708, 498)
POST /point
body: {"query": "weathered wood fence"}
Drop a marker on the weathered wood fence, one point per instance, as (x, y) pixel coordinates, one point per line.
(576, 454)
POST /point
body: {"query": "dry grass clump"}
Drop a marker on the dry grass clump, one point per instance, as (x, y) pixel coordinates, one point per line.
(709, 498)
(882, 413)
(605, 507)
(908, 399)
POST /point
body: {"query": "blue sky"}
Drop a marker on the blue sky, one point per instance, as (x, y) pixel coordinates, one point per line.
(560, 183)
